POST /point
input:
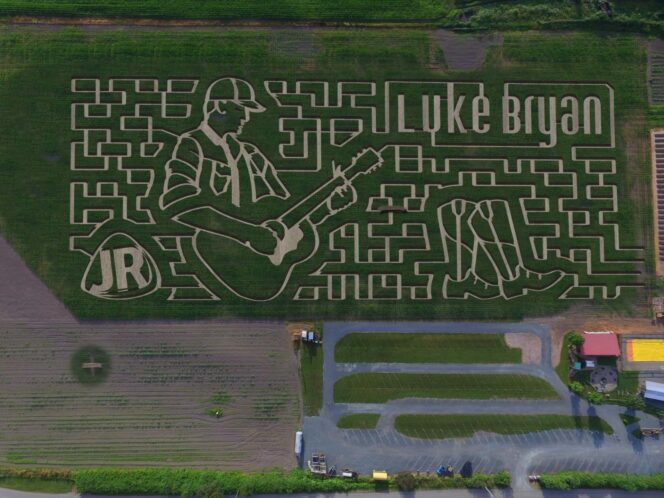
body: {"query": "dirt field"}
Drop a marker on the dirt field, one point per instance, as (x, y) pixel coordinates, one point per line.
(465, 52)
(22, 295)
(529, 344)
(152, 408)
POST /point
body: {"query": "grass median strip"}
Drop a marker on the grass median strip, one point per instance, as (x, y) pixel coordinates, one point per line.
(37, 485)
(571, 479)
(394, 347)
(358, 421)
(628, 419)
(311, 376)
(465, 425)
(383, 387)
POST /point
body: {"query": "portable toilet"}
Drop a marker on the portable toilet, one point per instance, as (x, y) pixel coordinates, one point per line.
(298, 443)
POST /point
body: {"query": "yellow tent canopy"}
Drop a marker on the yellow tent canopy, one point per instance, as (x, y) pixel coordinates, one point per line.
(645, 350)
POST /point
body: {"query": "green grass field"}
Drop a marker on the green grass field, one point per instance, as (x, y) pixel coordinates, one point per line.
(562, 369)
(358, 421)
(633, 15)
(628, 419)
(400, 266)
(286, 10)
(311, 377)
(383, 387)
(35, 485)
(450, 426)
(425, 348)
(628, 382)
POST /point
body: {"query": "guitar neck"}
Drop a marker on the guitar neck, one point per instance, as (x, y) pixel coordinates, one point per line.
(295, 215)
(361, 164)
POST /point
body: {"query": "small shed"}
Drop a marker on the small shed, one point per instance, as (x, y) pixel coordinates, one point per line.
(603, 343)
(654, 391)
(380, 475)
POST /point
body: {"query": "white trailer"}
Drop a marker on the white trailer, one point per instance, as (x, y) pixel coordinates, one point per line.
(298, 443)
(654, 391)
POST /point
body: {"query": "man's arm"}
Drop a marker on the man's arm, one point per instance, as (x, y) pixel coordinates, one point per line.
(183, 173)
(262, 239)
(265, 170)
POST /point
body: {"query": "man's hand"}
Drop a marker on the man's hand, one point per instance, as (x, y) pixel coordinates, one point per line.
(343, 197)
(268, 238)
(286, 239)
(277, 228)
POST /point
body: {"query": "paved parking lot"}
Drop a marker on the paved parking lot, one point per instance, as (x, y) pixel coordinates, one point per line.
(521, 454)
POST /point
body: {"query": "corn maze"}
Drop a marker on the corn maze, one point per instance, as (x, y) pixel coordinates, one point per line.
(344, 191)
(326, 173)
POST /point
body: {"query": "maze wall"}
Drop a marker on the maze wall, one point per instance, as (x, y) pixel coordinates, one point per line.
(322, 191)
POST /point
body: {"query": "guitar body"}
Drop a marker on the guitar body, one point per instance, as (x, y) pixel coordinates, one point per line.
(250, 274)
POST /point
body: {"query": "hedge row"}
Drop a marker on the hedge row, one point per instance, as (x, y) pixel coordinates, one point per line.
(501, 479)
(209, 483)
(186, 482)
(46, 474)
(628, 482)
(213, 484)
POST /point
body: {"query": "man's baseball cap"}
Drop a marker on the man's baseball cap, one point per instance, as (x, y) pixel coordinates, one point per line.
(234, 90)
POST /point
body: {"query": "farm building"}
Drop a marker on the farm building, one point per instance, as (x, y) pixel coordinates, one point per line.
(654, 391)
(599, 344)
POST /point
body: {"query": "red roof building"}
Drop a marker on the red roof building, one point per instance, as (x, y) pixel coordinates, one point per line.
(600, 344)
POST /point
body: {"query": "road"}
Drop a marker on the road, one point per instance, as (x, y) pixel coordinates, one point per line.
(453, 493)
